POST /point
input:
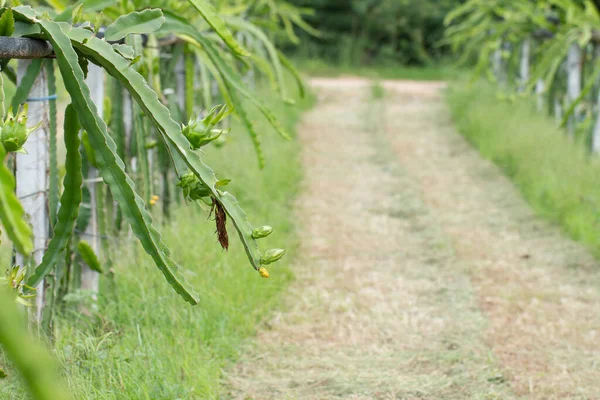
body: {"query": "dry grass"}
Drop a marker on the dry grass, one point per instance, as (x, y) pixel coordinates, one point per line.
(382, 308)
(424, 275)
(538, 289)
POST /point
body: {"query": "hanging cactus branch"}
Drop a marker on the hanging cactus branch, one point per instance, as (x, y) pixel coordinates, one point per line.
(106, 148)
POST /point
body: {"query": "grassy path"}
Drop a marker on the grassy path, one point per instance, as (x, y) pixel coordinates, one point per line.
(422, 272)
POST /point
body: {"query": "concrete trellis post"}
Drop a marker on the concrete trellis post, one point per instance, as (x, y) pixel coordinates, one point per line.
(573, 82)
(128, 127)
(524, 66)
(180, 79)
(596, 131)
(90, 279)
(557, 110)
(249, 77)
(32, 175)
(499, 64)
(540, 87)
(214, 88)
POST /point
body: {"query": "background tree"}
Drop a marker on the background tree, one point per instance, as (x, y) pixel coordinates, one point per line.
(406, 31)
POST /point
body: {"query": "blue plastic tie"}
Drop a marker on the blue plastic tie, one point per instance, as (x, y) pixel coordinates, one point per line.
(47, 98)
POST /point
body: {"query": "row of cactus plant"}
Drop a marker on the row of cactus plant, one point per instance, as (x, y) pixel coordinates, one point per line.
(100, 141)
(527, 45)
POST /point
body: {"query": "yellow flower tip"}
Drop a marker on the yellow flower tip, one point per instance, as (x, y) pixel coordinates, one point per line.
(152, 202)
(155, 198)
(263, 272)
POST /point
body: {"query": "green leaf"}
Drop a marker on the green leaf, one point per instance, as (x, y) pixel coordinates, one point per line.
(112, 168)
(69, 201)
(2, 97)
(181, 27)
(234, 102)
(7, 23)
(246, 26)
(146, 21)
(53, 195)
(89, 257)
(222, 183)
(117, 127)
(102, 54)
(210, 15)
(295, 73)
(89, 149)
(38, 369)
(140, 132)
(12, 214)
(26, 83)
(584, 92)
(242, 114)
(190, 73)
(124, 50)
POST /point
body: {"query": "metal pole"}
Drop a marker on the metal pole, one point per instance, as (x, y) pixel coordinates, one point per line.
(32, 177)
(23, 48)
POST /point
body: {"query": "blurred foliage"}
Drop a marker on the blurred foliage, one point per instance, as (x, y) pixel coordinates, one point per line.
(365, 31)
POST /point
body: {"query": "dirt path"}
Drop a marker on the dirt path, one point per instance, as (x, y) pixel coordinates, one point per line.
(424, 275)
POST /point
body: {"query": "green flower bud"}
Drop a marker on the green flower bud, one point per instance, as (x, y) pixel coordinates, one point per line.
(262, 232)
(193, 188)
(14, 133)
(201, 132)
(199, 135)
(216, 115)
(271, 256)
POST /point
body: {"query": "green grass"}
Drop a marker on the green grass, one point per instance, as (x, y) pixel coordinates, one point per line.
(556, 175)
(317, 67)
(144, 341)
(377, 90)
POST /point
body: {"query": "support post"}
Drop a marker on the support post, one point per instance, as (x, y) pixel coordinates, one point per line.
(129, 154)
(558, 116)
(524, 66)
(128, 127)
(573, 84)
(596, 130)
(32, 177)
(90, 279)
(540, 87)
(499, 64)
(180, 80)
(249, 77)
